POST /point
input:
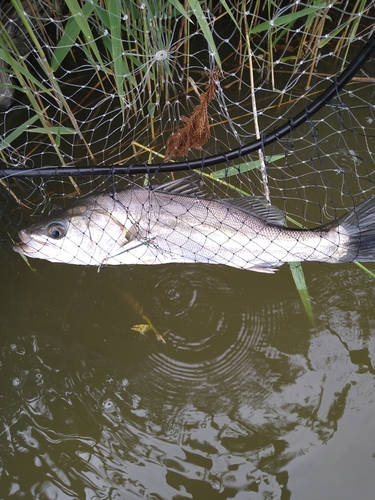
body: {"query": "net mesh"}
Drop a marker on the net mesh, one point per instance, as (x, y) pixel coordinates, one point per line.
(106, 83)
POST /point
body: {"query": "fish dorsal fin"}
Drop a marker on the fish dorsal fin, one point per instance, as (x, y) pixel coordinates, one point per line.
(187, 186)
(253, 205)
(259, 207)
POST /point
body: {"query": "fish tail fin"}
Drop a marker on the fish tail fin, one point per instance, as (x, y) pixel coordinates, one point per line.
(359, 226)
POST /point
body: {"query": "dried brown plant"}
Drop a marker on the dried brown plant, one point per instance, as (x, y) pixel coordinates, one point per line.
(196, 131)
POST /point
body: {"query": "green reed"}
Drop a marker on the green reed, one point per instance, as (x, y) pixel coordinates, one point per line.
(120, 39)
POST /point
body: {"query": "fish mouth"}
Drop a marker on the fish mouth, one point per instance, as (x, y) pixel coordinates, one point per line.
(26, 249)
(20, 248)
(31, 245)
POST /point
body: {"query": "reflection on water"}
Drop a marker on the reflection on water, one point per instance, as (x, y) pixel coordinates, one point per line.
(235, 405)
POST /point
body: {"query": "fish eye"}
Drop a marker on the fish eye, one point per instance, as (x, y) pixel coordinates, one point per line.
(56, 230)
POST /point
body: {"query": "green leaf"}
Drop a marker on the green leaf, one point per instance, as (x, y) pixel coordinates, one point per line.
(6, 141)
(361, 266)
(204, 26)
(114, 11)
(17, 67)
(228, 9)
(286, 19)
(243, 167)
(300, 282)
(52, 130)
(177, 5)
(151, 109)
(80, 17)
(71, 32)
(332, 35)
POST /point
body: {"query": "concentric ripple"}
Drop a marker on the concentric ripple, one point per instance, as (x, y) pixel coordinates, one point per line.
(217, 342)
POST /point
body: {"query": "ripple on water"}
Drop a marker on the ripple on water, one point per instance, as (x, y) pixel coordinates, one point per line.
(150, 429)
(217, 341)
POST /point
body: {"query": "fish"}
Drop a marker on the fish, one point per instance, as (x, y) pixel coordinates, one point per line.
(177, 222)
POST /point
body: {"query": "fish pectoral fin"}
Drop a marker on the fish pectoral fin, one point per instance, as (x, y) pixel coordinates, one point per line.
(260, 269)
(134, 233)
(129, 234)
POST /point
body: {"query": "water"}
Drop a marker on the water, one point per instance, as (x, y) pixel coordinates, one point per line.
(245, 400)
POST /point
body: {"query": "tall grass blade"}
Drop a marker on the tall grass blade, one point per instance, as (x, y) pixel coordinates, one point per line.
(177, 5)
(7, 140)
(243, 167)
(364, 268)
(71, 32)
(228, 10)
(53, 130)
(20, 69)
(204, 26)
(81, 19)
(287, 19)
(300, 282)
(114, 11)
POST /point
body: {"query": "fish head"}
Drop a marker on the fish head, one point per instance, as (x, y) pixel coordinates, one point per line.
(83, 234)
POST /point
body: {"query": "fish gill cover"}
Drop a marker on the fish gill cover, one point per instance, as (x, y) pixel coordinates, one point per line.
(142, 84)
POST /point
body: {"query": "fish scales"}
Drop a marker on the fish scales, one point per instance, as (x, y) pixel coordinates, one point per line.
(160, 226)
(219, 231)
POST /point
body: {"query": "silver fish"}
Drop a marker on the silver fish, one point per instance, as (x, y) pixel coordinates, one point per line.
(175, 223)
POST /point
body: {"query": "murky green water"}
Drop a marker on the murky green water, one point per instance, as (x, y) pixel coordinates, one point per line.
(246, 400)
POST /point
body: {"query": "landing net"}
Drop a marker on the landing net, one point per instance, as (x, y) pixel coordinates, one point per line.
(96, 96)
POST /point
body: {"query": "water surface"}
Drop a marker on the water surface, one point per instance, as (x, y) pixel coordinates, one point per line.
(245, 400)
